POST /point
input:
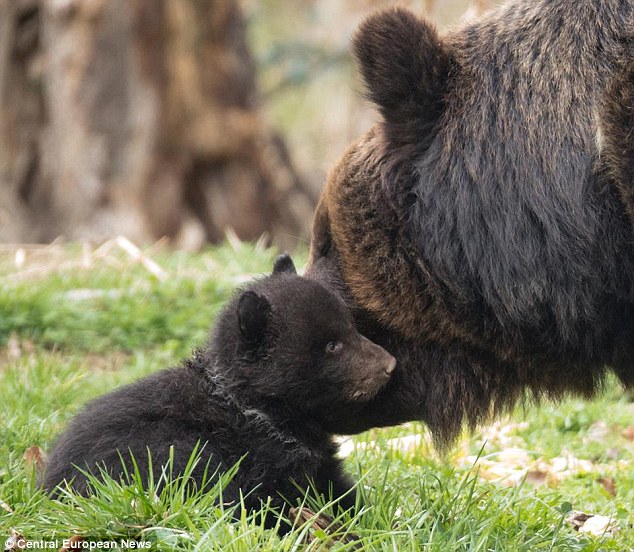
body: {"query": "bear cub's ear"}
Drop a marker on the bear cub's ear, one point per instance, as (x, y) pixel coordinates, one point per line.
(284, 263)
(253, 317)
(404, 64)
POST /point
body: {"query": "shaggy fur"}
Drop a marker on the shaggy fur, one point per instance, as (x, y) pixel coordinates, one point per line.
(485, 239)
(283, 361)
(617, 131)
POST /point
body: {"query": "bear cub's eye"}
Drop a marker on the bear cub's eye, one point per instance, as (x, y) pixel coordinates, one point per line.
(334, 347)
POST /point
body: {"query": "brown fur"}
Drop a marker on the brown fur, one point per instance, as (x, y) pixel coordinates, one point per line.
(379, 268)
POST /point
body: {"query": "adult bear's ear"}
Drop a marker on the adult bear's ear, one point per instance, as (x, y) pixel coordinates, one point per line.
(253, 318)
(284, 263)
(405, 66)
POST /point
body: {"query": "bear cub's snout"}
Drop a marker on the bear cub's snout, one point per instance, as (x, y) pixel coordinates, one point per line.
(379, 367)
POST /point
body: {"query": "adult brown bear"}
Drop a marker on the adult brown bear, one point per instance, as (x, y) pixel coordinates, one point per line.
(482, 231)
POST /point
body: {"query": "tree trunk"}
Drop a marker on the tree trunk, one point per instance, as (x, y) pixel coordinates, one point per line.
(137, 117)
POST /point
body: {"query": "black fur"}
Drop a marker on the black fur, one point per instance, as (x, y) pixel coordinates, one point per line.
(489, 246)
(269, 380)
(284, 263)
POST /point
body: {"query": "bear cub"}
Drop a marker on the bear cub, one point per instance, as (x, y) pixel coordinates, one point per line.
(283, 363)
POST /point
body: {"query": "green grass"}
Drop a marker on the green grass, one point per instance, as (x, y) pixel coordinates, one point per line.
(74, 324)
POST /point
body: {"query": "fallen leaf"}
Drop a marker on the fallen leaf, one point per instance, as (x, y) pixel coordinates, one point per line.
(577, 519)
(628, 433)
(592, 524)
(304, 514)
(322, 525)
(598, 526)
(35, 457)
(15, 542)
(608, 484)
(536, 477)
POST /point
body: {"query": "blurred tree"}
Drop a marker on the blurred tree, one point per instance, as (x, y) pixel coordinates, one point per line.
(137, 117)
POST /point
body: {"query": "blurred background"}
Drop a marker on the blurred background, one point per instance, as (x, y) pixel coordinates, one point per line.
(178, 118)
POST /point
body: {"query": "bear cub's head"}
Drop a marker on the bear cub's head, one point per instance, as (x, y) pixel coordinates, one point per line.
(287, 340)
